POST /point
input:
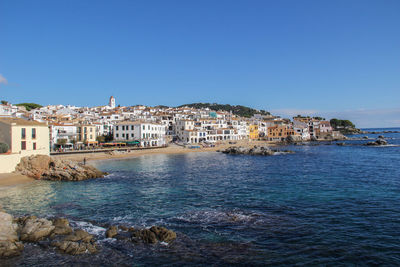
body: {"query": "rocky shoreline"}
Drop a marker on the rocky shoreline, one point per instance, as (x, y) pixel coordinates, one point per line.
(57, 234)
(42, 167)
(256, 150)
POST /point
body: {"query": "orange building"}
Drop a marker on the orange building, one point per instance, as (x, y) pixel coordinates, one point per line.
(279, 132)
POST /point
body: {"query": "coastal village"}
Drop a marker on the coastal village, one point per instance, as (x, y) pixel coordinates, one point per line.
(59, 128)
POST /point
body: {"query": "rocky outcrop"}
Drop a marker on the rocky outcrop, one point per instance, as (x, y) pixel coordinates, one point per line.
(378, 142)
(61, 227)
(293, 139)
(152, 235)
(112, 231)
(256, 150)
(34, 229)
(9, 240)
(79, 242)
(47, 168)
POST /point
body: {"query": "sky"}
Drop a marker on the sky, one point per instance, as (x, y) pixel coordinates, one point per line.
(328, 58)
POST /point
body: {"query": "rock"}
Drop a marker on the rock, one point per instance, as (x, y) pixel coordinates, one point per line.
(47, 168)
(379, 142)
(293, 139)
(35, 229)
(163, 234)
(79, 242)
(62, 227)
(341, 144)
(256, 150)
(381, 137)
(9, 241)
(111, 231)
(313, 138)
(153, 235)
(365, 137)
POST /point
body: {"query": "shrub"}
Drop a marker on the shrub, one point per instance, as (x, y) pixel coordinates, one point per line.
(3, 148)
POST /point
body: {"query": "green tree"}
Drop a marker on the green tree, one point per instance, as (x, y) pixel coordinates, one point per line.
(4, 148)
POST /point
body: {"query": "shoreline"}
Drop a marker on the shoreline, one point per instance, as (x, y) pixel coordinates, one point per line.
(173, 149)
(13, 179)
(16, 179)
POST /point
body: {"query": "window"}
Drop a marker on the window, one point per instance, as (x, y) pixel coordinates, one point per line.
(23, 133)
(132, 127)
(144, 127)
(33, 133)
(34, 146)
(23, 145)
(85, 130)
(123, 128)
(91, 136)
(116, 135)
(132, 135)
(116, 128)
(91, 129)
(123, 135)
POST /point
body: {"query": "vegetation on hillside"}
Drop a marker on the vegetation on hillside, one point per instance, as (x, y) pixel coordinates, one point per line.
(236, 109)
(336, 123)
(29, 106)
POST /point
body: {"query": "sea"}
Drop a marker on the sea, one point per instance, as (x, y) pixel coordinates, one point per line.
(325, 205)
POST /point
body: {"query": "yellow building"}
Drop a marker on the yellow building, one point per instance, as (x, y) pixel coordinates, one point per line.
(87, 134)
(24, 138)
(253, 131)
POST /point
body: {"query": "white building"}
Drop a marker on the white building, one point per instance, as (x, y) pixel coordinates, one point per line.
(148, 134)
(111, 103)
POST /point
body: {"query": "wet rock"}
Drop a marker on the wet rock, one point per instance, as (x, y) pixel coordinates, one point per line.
(35, 229)
(256, 150)
(379, 142)
(163, 234)
(153, 235)
(79, 242)
(123, 228)
(111, 231)
(62, 227)
(9, 241)
(341, 144)
(47, 168)
(381, 137)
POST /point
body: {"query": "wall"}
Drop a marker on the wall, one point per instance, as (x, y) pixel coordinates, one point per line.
(42, 140)
(9, 162)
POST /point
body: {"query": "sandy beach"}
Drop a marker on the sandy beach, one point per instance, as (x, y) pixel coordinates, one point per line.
(172, 149)
(11, 179)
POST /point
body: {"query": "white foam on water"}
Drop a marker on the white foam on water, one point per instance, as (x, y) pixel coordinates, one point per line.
(90, 228)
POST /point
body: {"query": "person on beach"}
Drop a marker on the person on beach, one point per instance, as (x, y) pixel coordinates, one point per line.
(84, 161)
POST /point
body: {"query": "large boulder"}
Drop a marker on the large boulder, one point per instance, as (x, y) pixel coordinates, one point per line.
(47, 168)
(35, 229)
(153, 235)
(112, 231)
(79, 242)
(9, 241)
(62, 227)
(378, 142)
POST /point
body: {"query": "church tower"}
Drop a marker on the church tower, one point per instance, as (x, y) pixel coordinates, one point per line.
(111, 103)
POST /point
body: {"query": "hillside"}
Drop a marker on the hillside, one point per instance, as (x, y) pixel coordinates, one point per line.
(29, 106)
(236, 109)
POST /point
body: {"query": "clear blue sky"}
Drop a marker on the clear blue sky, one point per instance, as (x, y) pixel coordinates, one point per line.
(285, 56)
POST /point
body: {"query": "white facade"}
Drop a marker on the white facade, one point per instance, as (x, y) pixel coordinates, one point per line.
(149, 134)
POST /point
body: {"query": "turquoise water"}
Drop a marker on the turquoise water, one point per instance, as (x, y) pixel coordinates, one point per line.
(324, 205)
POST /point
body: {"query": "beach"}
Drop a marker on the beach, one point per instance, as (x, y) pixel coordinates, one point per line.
(172, 149)
(11, 179)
